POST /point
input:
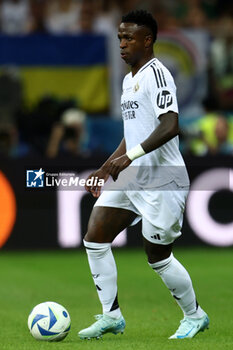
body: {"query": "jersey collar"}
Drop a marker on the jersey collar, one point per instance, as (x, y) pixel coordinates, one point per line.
(146, 65)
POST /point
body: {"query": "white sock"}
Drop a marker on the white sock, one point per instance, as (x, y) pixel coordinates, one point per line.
(104, 273)
(178, 281)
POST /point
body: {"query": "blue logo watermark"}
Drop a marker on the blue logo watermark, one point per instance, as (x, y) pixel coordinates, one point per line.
(35, 178)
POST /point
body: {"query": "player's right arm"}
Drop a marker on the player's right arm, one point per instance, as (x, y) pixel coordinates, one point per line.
(104, 171)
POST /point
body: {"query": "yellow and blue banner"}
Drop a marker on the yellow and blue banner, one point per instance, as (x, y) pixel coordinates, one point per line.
(64, 66)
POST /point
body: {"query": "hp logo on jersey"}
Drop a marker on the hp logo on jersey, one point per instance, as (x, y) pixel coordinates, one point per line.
(164, 99)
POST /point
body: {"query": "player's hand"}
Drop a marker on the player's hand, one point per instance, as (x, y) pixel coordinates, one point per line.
(118, 164)
(95, 190)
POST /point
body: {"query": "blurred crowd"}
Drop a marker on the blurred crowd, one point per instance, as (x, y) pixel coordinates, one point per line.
(75, 16)
(210, 134)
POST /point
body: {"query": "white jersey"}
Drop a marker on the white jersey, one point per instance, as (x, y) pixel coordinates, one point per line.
(146, 95)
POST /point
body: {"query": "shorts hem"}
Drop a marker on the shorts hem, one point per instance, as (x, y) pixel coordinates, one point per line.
(160, 241)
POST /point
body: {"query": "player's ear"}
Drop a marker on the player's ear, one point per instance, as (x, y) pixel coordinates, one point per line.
(148, 40)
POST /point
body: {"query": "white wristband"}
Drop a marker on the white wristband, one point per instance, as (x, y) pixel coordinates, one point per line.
(135, 152)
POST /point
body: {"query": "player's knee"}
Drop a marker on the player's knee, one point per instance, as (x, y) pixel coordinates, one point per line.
(157, 252)
(97, 233)
(156, 257)
(93, 236)
(89, 236)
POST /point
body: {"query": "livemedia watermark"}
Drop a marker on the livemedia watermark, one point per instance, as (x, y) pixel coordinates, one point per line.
(39, 178)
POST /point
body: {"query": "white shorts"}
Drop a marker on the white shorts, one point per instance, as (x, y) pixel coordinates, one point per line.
(161, 209)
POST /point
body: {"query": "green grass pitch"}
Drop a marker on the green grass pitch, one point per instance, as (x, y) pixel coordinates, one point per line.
(152, 315)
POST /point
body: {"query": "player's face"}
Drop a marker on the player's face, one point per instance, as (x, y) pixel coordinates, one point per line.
(132, 42)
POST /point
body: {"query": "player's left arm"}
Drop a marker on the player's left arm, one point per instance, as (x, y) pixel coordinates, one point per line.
(165, 131)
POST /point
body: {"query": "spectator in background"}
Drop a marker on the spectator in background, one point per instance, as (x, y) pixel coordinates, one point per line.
(107, 17)
(224, 145)
(130, 5)
(35, 122)
(38, 11)
(62, 16)
(99, 17)
(15, 17)
(67, 136)
(166, 20)
(210, 134)
(11, 93)
(9, 140)
(195, 17)
(85, 22)
(221, 64)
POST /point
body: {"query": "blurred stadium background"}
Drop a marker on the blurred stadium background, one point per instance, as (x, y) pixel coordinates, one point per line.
(60, 86)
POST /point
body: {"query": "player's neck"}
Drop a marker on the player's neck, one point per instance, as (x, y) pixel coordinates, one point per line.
(135, 68)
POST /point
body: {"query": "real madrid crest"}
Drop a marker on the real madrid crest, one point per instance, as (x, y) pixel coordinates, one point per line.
(136, 87)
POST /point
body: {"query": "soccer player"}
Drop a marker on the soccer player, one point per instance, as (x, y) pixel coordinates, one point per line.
(156, 195)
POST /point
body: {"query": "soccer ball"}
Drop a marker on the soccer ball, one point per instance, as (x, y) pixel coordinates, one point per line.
(49, 321)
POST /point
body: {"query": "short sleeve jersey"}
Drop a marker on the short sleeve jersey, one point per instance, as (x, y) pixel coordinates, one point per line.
(148, 94)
